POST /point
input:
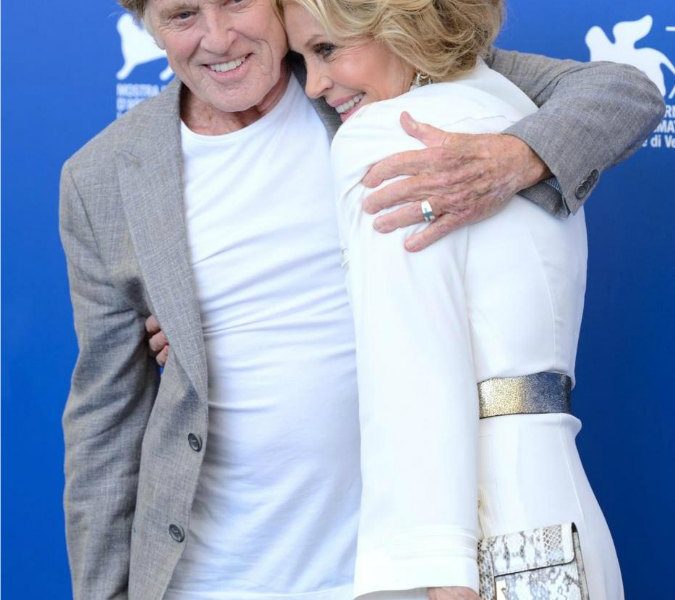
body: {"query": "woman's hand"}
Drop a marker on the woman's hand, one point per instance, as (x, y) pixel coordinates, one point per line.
(465, 177)
(159, 345)
(452, 593)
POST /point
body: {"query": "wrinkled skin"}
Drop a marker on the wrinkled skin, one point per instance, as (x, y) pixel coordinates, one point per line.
(465, 177)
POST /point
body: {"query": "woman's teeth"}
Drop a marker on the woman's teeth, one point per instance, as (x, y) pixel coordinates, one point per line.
(347, 106)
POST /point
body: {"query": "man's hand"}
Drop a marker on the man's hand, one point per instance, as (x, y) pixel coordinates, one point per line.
(465, 177)
(159, 345)
(452, 593)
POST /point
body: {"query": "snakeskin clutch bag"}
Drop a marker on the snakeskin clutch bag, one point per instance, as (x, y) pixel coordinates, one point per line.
(540, 564)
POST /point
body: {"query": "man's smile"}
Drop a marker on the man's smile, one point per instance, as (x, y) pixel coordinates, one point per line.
(224, 67)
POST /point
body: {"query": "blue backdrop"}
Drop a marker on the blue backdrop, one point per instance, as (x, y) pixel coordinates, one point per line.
(69, 68)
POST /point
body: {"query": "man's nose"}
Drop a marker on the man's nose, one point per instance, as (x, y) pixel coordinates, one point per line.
(217, 32)
(317, 83)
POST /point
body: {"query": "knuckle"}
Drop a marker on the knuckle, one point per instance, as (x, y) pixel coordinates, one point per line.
(451, 204)
(433, 155)
(372, 202)
(446, 141)
(404, 188)
(436, 182)
(384, 223)
(447, 151)
(445, 227)
(446, 180)
(440, 158)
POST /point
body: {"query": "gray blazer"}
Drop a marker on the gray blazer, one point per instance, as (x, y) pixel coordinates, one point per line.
(134, 440)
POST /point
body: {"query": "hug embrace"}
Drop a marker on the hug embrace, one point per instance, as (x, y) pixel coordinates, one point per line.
(366, 297)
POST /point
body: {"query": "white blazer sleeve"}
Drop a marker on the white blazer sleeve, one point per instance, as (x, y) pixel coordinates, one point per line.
(417, 389)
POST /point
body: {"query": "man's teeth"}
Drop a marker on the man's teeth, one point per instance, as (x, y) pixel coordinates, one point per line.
(227, 66)
(347, 106)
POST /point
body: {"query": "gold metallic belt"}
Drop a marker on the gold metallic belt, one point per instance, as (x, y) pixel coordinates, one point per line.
(538, 393)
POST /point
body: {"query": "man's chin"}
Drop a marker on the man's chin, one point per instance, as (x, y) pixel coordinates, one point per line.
(243, 96)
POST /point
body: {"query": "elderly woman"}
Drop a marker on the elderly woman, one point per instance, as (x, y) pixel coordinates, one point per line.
(468, 434)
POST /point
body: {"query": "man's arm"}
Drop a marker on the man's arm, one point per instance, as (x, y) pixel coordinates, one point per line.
(592, 116)
(113, 387)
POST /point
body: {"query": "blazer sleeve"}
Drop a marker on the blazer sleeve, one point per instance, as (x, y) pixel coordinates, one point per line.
(418, 402)
(592, 116)
(113, 386)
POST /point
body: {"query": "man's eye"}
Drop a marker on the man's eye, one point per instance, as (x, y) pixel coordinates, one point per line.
(183, 15)
(325, 49)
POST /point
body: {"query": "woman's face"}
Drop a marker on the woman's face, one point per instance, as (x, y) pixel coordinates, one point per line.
(347, 75)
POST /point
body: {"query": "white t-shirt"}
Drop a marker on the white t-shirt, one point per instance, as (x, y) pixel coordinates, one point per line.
(276, 509)
(500, 298)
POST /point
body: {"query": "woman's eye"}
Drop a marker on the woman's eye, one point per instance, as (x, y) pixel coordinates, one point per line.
(325, 49)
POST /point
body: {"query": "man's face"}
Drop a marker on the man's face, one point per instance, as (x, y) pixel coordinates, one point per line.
(227, 52)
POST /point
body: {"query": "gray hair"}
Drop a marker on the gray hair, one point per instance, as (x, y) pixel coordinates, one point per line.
(135, 7)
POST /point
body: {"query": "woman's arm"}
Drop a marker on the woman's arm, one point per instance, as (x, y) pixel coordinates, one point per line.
(419, 412)
(417, 391)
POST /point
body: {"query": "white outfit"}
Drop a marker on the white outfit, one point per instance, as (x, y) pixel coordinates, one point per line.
(500, 298)
(276, 510)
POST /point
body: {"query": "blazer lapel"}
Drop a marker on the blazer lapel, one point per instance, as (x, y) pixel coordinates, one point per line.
(151, 183)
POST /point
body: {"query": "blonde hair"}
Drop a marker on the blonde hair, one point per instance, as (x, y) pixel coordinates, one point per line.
(439, 38)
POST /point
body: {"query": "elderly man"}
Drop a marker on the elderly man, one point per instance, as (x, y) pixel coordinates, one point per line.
(211, 207)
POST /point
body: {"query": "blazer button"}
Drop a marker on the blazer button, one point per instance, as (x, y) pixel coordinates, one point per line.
(582, 191)
(195, 442)
(176, 533)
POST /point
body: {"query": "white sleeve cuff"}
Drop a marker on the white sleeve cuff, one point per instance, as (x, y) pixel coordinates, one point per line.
(410, 562)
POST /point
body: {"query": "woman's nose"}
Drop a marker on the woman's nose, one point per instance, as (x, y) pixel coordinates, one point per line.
(317, 83)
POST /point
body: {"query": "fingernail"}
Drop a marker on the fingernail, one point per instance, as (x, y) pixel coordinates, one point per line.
(378, 226)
